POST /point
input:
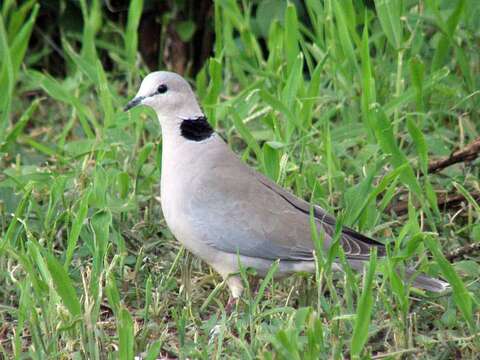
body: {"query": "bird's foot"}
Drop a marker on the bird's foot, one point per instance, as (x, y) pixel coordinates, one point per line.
(231, 305)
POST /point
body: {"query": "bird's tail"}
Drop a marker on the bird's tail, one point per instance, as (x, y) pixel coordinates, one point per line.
(418, 280)
(425, 282)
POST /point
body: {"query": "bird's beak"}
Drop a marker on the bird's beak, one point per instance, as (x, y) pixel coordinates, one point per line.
(136, 101)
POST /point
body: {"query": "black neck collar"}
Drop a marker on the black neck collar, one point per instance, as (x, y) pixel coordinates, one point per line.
(196, 129)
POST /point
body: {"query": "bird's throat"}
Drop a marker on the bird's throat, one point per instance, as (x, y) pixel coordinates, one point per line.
(196, 129)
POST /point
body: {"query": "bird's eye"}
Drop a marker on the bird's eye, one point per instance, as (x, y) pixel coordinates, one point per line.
(162, 89)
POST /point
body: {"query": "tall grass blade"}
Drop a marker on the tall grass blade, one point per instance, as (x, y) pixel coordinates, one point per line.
(6, 79)
(344, 35)
(441, 53)
(386, 140)
(368, 82)
(105, 96)
(131, 35)
(364, 309)
(20, 42)
(292, 35)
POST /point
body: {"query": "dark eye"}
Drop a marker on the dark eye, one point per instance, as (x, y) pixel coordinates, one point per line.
(162, 89)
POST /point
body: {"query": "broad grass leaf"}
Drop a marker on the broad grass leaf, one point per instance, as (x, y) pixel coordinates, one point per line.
(389, 13)
(271, 161)
(154, 350)
(64, 285)
(125, 335)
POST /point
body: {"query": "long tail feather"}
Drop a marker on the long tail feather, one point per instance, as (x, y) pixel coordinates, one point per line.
(426, 282)
(420, 281)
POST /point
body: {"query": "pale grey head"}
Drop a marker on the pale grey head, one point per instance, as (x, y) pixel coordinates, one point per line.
(169, 94)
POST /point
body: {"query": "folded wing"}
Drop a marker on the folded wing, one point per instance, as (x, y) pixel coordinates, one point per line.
(238, 210)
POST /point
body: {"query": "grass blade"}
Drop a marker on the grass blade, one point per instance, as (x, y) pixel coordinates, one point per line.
(131, 35)
(77, 224)
(247, 135)
(63, 285)
(125, 335)
(292, 35)
(364, 309)
(389, 13)
(462, 297)
(6, 79)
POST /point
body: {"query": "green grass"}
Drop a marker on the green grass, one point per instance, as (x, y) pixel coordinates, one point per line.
(343, 105)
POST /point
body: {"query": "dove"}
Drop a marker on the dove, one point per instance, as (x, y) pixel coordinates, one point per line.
(227, 213)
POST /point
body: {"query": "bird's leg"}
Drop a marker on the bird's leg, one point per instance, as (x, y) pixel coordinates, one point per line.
(254, 285)
(231, 304)
(235, 285)
(257, 284)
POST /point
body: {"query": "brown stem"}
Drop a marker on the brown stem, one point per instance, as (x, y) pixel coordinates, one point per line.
(468, 153)
(446, 201)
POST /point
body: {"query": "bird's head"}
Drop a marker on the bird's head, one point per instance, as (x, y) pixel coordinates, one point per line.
(168, 94)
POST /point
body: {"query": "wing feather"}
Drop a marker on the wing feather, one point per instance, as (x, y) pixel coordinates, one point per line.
(236, 209)
(350, 238)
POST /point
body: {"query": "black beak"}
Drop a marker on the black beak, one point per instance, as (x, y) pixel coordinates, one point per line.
(136, 101)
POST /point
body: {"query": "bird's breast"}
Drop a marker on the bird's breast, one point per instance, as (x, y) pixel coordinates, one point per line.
(178, 188)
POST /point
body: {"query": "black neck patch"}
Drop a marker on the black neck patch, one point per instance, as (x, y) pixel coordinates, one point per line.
(196, 129)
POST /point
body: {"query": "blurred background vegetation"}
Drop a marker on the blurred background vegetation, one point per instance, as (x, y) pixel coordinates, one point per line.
(177, 34)
(353, 105)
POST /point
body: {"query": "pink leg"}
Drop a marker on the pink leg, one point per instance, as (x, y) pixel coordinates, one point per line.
(231, 305)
